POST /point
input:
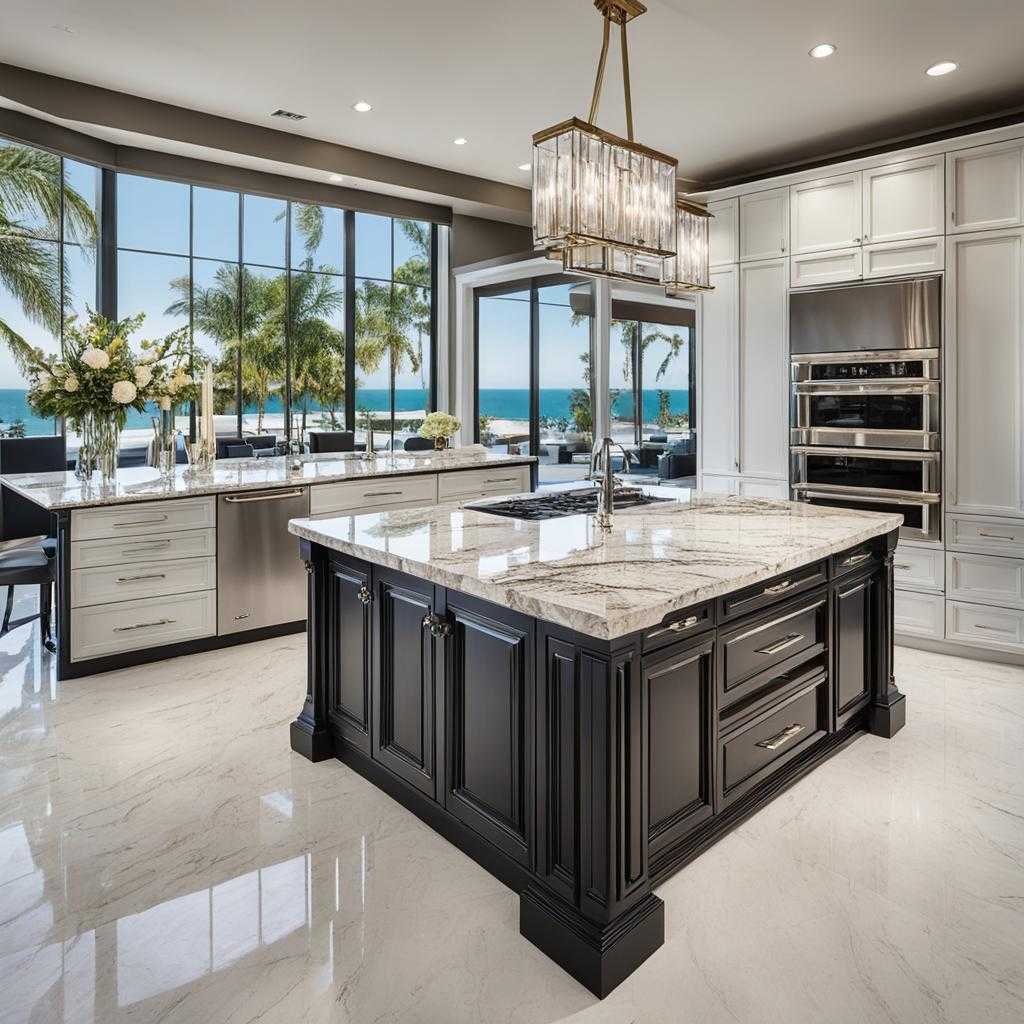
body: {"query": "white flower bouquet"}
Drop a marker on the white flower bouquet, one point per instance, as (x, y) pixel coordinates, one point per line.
(440, 426)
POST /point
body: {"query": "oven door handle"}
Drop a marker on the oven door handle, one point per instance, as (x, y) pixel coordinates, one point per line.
(912, 386)
(882, 495)
(907, 455)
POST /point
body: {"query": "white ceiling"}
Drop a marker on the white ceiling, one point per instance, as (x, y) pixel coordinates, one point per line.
(725, 85)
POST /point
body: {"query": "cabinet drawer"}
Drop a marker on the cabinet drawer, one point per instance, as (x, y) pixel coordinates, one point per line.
(864, 556)
(355, 496)
(466, 484)
(919, 568)
(986, 535)
(144, 518)
(167, 546)
(917, 256)
(136, 625)
(919, 614)
(985, 626)
(678, 625)
(754, 652)
(985, 579)
(755, 750)
(778, 589)
(107, 584)
(825, 267)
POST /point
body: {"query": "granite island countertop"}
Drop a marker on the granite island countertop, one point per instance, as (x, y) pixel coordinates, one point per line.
(58, 491)
(656, 559)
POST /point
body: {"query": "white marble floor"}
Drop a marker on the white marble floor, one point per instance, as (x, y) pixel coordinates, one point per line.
(165, 857)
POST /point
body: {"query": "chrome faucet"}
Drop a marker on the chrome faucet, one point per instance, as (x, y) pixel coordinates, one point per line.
(601, 469)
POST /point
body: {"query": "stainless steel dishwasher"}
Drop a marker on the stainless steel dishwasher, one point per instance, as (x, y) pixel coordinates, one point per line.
(261, 581)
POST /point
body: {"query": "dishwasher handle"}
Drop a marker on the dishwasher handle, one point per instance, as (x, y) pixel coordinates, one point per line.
(276, 496)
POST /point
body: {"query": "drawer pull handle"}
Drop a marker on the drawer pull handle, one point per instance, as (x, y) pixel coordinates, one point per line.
(903, 566)
(779, 587)
(501, 480)
(139, 579)
(380, 494)
(143, 625)
(364, 594)
(781, 645)
(855, 559)
(995, 536)
(143, 522)
(994, 629)
(774, 742)
(265, 497)
(154, 545)
(690, 620)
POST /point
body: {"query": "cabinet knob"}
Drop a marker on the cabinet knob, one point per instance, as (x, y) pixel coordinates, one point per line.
(438, 626)
(364, 594)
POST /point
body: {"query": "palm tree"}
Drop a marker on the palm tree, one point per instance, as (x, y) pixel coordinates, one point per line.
(30, 189)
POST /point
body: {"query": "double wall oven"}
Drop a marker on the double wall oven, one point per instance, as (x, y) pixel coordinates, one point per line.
(865, 406)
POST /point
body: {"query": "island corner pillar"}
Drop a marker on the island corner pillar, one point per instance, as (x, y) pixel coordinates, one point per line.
(310, 733)
(592, 910)
(887, 712)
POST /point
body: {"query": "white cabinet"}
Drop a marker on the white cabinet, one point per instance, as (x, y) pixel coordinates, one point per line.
(919, 568)
(717, 484)
(993, 628)
(918, 614)
(764, 224)
(719, 355)
(818, 268)
(374, 495)
(984, 337)
(985, 187)
(985, 579)
(825, 214)
(751, 488)
(723, 232)
(470, 484)
(903, 200)
(909, 256)
(764, 370)
(985, 535)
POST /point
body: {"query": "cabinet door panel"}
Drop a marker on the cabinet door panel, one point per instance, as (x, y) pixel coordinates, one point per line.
(723, 232)
(348, 659)
(719, 353)
(489, 679)
(985, 187)
(825, 214)
(764, 370)
(983, 358)
(403, 690)
(904, 200)
(764, 224)
(853, 653)
(680, 684)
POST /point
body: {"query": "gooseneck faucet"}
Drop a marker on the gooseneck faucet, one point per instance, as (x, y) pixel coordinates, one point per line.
(601, 469)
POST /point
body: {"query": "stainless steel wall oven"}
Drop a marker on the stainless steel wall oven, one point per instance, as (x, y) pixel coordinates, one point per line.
(866, 419)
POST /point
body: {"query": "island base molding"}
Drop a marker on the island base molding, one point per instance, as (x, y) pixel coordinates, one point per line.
(582, 772)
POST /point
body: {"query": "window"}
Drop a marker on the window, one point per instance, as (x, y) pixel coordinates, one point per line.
(48, 272)
(534, 389)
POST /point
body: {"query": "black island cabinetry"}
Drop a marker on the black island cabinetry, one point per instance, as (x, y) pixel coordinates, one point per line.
(582, 772)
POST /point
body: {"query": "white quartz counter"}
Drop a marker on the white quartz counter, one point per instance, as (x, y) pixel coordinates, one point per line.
(655, 559)
(56, 491)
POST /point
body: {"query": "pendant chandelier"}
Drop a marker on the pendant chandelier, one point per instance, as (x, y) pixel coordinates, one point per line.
(689, 270)
(603, 204)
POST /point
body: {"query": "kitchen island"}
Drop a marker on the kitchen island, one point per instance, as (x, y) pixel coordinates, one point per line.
(583, 710)
(160, 564)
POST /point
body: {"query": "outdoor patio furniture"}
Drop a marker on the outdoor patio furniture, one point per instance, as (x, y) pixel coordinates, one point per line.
(321, 441)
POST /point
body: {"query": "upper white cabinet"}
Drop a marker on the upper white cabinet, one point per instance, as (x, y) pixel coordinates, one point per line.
(825, 214)
(723, 232)
(984, 366)
(719, 354)
(903, 200)
(985, 187)
(764, 370)
(764, 224)
(818, 268)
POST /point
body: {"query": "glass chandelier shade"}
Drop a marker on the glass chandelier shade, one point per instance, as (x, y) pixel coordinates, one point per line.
(688, 270)
(603, 204)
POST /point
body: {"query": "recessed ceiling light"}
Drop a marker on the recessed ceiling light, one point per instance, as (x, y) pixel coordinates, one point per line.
(822, 50)
(460, 141)
(336, 177)
(526, 167)
(944, 67)
(66, 29)
(362, 107)
(288, 115)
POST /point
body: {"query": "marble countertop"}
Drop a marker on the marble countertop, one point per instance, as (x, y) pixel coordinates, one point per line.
(56, 491)
(655, 559)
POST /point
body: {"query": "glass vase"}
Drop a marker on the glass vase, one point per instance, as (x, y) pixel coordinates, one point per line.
(440, 444)
(97, 449)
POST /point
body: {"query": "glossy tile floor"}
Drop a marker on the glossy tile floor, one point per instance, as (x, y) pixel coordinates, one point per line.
(165, 857)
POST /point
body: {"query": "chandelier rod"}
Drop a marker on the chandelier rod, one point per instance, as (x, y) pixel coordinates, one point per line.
(599, 81)
(602, 62)
(625, 81)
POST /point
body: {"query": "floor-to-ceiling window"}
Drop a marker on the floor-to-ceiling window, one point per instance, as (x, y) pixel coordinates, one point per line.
(48, 266)
(533, 388)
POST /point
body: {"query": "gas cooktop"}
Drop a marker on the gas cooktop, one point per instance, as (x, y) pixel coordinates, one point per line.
(564, 503)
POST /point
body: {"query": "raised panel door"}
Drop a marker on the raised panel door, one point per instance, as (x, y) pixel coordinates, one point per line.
(985, 187)
(904, 200)
(719, 356)
(764, 224)
(349, 653)
(825, 214)
(723, 232)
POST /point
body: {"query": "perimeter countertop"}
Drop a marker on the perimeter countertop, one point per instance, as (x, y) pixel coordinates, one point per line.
(655, 559)
(58, 491)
